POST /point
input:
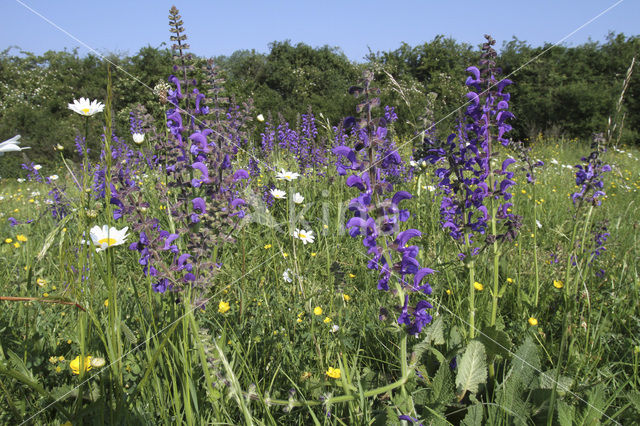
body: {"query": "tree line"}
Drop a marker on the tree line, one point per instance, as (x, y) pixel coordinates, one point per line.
(557, 90)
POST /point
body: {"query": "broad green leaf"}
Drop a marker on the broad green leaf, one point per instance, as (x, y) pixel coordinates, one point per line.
(472, 370)
(474, 415)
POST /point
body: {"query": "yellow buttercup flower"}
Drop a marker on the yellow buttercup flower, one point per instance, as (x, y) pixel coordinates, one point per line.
(21, 238)
(510, 280)
(75, 364)
(478, 286)
(558, 284)
(327, 320)
(533, 322)
(334, 373)
(223, 307)
(346, 297)
(317, 310)
(8, 241)
(267, 246)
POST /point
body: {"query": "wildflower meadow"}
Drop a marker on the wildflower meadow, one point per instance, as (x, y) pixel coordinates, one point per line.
(218, 264)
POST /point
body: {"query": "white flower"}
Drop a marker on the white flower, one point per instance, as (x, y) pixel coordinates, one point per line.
(11, 145)
(278, 194)
(260, 117)
(138, 138)
(106, 237)
(538, 224)
(431, 188)
(86, 107)
(53, 177)
(412, 163)
(59, 147)
(288, 176)
(305, 236)
(334, 328)
(297, 198)
(554, 161)
(37, 167)
(286, 276)
(20, 180)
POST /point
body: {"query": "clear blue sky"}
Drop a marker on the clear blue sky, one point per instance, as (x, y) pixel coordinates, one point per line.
(222, 27)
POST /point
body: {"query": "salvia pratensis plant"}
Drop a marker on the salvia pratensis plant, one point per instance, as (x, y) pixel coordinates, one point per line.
(377, 215)
(475, 194)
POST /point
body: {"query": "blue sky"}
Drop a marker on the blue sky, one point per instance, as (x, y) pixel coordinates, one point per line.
(222, 27)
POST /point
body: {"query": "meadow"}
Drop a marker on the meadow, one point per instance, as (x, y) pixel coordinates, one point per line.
(216, 265)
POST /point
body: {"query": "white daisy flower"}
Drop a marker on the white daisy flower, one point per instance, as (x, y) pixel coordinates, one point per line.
(11, 145)
(305, 236)
(286, 275)
(20, 180)
(37, 167)
(86, 107)
(297, 198)
(260, 117)
(106, 237)
(288, 176)
(278, 194)
(138, 138)
(53, 177)
(334, 328)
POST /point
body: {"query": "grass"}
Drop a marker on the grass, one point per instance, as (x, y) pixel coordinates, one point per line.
(264, 360)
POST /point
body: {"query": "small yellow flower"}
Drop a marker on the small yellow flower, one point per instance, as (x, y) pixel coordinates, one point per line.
(267, 246)
(75, 364)
(313, 254)
(21, 238)
(41, 282)
(8, 241)
(558, 284)
(334, 373)
(533, 322)
(478, 286)
(510, 280)
(327, 320)
(448, 291)
(69, 342)
(106, 303)
(61, 358)
(285, 254)
(223, 307)
(346, 297)
(317, 310)
(58, 370)
(351, 276)
(16, 244)
(524, 191)
(45, 294)
(325, 226)
(53, 359)
(299, 320)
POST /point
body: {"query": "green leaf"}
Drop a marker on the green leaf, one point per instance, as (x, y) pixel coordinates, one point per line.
(547, 380)
(474, 415)
(566, 413)
(442, 385)
(472, 370)
(495, 341)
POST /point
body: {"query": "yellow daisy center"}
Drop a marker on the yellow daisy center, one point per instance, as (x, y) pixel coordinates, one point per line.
(302, 235)
(85, 110)
(109, 241)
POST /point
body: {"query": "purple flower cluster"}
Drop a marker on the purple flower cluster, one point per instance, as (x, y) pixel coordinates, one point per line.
(377, 219)
(589, 175)
(467, 180)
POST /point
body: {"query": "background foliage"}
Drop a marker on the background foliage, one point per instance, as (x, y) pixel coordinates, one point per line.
(567, 91)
